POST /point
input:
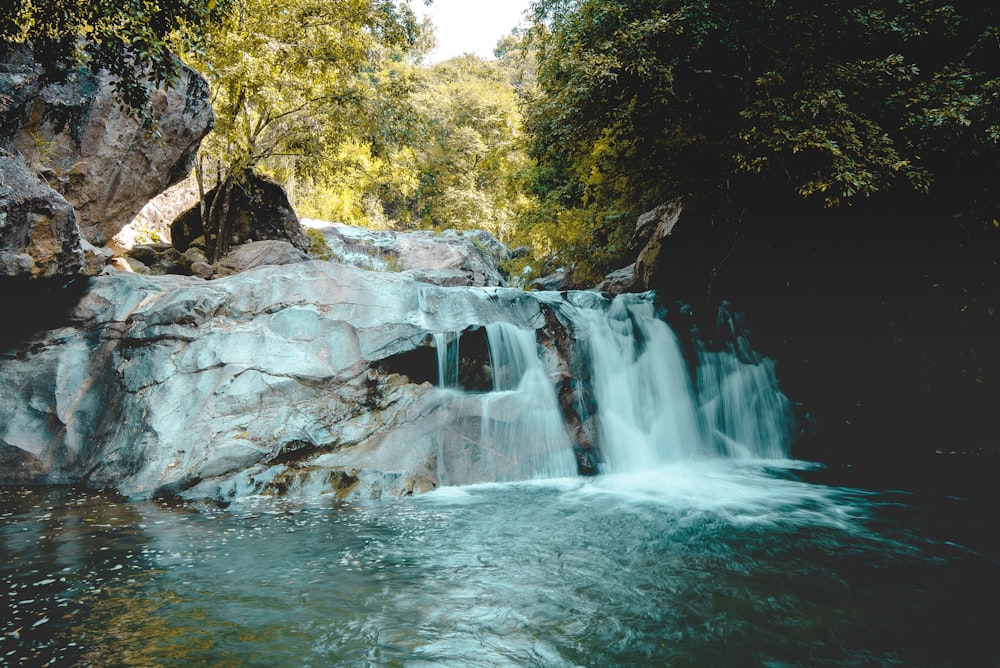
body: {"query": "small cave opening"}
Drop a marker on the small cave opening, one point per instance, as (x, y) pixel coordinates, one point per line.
(468, 354)
(475, 372)
(419, 365)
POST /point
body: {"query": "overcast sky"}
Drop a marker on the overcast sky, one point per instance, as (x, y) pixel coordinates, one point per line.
(470, 26)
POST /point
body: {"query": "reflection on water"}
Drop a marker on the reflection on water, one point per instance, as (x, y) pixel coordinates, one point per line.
(710, 564)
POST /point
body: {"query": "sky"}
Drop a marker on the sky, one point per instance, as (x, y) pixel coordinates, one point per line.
(470, 26)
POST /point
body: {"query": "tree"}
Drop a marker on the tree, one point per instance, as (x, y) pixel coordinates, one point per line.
(644, 100)
(291, 81)
(458, 162)
(469, 147)
(131, 40)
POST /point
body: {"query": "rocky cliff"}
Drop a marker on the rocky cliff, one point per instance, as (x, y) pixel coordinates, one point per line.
(67, 143)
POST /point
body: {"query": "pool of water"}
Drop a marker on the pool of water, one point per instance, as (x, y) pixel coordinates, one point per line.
(716, 563)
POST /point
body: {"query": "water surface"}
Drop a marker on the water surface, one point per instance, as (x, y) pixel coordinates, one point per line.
(722, 563)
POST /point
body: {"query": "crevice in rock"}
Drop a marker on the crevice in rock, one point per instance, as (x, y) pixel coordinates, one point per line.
(419, 365)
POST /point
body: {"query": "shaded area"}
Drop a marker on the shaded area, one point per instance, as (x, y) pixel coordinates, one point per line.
(35, 306)
(884, 322)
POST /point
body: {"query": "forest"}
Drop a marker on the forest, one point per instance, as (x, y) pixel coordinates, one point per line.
(725, 394)
(594, 113)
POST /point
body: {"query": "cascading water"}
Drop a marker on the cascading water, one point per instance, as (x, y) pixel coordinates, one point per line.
(523, 431)
(646, 409)
(522, 434)
(446, 344)
(645, 404)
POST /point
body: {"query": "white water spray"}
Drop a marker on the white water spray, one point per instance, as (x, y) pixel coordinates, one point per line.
(647, 410)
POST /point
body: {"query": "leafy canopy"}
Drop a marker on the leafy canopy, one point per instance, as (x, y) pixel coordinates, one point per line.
(642, 100)
(131, 39)
(293, 78)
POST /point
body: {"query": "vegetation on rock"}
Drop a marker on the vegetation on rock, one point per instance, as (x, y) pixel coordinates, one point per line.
(131, 40)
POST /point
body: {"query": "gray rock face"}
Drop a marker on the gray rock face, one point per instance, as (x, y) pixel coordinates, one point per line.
(98, 158)
(448, 258)
(258, 254)
(278, 379)
(657, 224)
(38, 233)
(647, 246)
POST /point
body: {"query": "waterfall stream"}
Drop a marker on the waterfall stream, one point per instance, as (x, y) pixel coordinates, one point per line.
(634, 391)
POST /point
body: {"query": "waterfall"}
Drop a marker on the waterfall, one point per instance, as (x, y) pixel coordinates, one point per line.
(446, 344)
(634, 392)
(522, 433)
(645, 402)
(651, 413)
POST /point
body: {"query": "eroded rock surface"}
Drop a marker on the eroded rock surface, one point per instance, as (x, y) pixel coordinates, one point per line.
(305, 376)
(38, 233)
(93, 153)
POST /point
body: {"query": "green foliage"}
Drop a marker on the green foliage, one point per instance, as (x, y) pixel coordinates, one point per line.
(293, 82)
(457, 163)
(640, 101)
(291, 79)
(318, 248)
(131, 40)
(468, 147)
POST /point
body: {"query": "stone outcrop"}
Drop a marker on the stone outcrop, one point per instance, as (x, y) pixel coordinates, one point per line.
(270, 381)
(650, 248)
(258, 210)
(447, 258)
(76, 168)
(93, 153)
(38, 233)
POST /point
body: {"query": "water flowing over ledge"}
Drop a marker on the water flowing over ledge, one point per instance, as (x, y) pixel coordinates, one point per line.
(325, 379)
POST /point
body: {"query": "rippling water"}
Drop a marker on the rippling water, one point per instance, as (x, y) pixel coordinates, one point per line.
(720, 563)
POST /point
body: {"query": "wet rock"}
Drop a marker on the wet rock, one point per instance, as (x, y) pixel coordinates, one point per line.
(281, 379)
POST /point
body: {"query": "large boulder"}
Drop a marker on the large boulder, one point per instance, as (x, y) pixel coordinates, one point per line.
(38, 233)
(258, 210)
(93, 153)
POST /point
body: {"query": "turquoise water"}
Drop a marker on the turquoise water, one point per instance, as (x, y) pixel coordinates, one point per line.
(720, 563)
